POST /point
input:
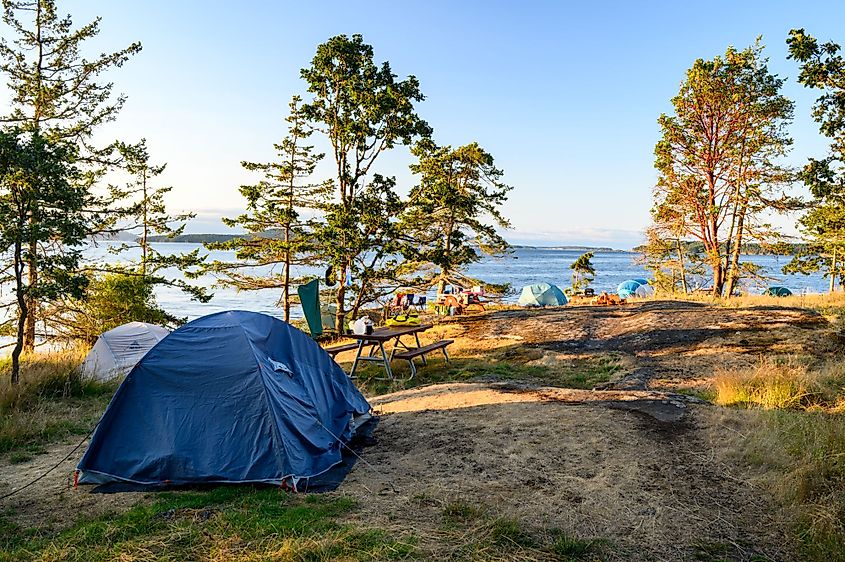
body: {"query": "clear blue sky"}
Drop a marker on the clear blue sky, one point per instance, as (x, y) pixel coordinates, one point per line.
(565, 95)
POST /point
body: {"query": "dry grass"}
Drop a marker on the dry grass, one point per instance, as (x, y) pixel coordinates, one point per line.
(783, 383)
(50, 403)
(799, 443)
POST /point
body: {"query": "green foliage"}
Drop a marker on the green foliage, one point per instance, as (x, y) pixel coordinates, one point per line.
(54, 89)
(143, 210)
(453, 212)
(717, 159)
(364, 111)
(111, 300)
(42, 225)
(56, 94)
(260, 524)
(278, 233)
(583, 272)
(823, 68)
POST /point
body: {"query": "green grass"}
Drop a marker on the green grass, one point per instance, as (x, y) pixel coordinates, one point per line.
(473, 532)
(225, 523)
(581, 373)
(572, 549)
(50, 403)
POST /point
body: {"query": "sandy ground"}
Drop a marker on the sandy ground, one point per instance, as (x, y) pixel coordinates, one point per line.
(649, 471)
(591, 464)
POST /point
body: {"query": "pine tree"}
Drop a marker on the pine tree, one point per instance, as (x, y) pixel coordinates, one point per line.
(823, 68)
(144, 212)
(279, 232)
(583, 272)
(364, 111)
(56, 94)
(454, 211)
(41, 205)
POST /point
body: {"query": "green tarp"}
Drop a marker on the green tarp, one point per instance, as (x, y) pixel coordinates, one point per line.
(309, 296)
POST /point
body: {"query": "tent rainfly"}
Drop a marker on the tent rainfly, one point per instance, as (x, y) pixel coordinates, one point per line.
(634, 288)
(117, 351)
(231, 397)
(542, 294)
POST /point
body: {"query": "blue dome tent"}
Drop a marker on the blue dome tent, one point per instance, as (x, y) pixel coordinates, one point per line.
(542, 294)
(231, 397)
(628, 289)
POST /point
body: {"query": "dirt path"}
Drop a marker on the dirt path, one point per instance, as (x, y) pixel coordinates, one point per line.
(52, 502)
(588, 463)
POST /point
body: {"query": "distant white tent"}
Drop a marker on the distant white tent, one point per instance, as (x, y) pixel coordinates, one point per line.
(644, 291)
(118, 350)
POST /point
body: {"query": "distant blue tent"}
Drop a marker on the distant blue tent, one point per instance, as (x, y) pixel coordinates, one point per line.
(641, 281)
(778, 292)
(542, 294)
(231, 397)
(628, 289)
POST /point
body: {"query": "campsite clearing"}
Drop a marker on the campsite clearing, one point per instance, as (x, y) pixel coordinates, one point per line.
(497, 462)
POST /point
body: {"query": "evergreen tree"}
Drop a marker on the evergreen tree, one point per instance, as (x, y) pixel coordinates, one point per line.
(453, 212)
(583, 272)
(42, 206)
(143, 212)
(823, 68)
(364, 111)
(56, 94)
(279, 231)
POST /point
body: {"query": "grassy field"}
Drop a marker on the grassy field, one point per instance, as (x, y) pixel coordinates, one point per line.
(224, 523)
(795, 442)
(798, 442)
(51, 403)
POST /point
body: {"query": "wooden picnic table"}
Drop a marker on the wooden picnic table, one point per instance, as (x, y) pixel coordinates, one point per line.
(381, 336)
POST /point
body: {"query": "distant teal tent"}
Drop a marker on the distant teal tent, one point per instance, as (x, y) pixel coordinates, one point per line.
(777, 292)
(628, 289)
(541, 294)
(309, 296)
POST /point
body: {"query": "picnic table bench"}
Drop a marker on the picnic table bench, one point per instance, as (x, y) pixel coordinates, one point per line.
(334, 350)
(421, 351)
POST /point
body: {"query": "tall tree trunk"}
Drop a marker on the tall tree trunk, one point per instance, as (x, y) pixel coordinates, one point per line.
(286, 288)
(32, 263)
(733, 272)
(832, 270)
(340, 313)
(22, 315)
(681, 268)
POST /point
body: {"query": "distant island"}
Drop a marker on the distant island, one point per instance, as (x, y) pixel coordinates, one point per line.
(751, 249)
(570, 248)
(216, 238)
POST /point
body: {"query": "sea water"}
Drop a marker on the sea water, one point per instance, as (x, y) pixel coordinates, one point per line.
(522, 266)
